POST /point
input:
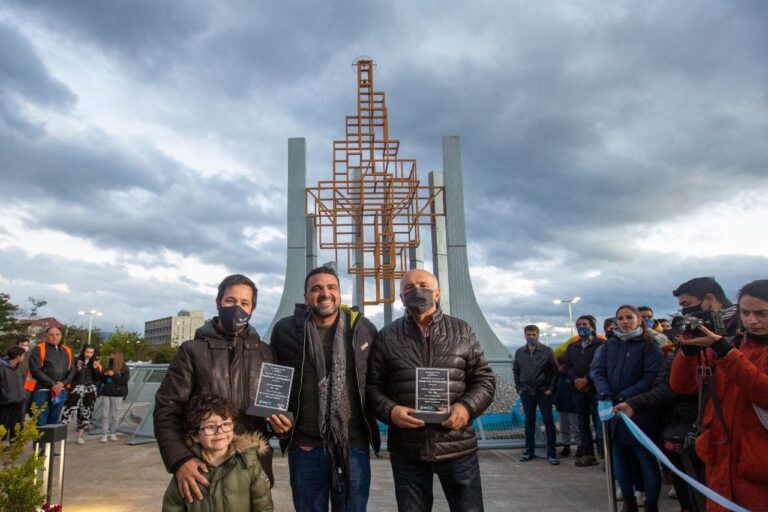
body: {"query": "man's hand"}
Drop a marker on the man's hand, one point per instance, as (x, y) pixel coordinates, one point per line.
(581, 384)
(57, 387)
(625, 408)
(548, 392)
(97, 366)
(401, 417)
(280, 424)
(702, 341)
(188, 476)
(458, 418)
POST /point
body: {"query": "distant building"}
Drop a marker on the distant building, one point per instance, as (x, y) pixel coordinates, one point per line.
(36, 327)
(173, 329)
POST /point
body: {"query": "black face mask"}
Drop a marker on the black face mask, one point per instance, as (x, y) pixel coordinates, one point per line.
(691, 310)
(418, 300)
(233, 319)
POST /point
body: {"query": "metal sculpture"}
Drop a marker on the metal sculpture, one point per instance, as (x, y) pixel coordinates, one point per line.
(374, 205)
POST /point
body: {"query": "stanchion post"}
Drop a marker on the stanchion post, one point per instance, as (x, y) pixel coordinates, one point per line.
(609, 475)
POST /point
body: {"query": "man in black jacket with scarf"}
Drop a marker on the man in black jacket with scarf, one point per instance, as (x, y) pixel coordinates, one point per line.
(327, 343)
(425, 337)
(225, 359)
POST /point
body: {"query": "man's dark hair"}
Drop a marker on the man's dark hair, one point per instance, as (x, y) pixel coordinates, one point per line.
(320, 270)
(22, 339)
(589, 318)
(531, 327)
(232, 280)
(14, 352)
(757, 289)
(699, 287)
(645, 308)
(202, 406)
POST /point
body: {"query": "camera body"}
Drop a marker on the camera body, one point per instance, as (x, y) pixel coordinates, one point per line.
(714, 320)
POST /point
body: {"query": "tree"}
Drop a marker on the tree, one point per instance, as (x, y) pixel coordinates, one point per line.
(10, 328)
(163, 354)
(130, 343)
(36, 304)
(76, 335)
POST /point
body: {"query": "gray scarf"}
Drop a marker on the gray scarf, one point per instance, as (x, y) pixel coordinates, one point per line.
(333, 411)
(626, 336)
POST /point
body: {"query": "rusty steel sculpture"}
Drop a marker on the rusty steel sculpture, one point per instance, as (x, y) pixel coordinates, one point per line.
(374, 205)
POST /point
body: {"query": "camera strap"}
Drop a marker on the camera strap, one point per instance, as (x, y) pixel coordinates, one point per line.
(707, 392)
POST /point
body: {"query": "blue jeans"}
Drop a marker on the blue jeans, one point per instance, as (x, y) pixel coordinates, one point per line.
(460, 479)
(625, 456)
(52, 412)
(311, 481)
(544, 404)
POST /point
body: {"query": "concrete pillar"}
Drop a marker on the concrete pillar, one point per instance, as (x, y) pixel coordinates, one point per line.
(358, 298)
(440, 244)
(462, 300)
(297, 257)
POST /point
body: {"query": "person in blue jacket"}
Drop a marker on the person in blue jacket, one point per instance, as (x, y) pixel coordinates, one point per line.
(625, 366)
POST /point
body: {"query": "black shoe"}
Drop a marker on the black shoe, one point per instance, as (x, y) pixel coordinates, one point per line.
(566, 451)
(578, 453)
(587, 460)
(629, 506)
(526, 457)
(553, 461)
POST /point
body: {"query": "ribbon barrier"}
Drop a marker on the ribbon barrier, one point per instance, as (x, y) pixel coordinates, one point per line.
(606, 415)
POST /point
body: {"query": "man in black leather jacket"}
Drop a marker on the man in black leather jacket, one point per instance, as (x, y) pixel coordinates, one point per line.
(225, 358)
(425, 337)
(327, 343)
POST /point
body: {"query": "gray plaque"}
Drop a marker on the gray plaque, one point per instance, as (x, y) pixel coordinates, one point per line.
(274, 391)
(432, 396)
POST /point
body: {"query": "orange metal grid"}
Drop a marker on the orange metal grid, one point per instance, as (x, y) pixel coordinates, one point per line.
(378, 215)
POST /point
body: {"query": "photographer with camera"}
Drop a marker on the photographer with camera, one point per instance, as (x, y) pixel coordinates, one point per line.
(733, 421)
(702, 300)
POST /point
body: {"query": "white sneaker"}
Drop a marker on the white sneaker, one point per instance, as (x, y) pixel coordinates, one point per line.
(672, 493)
(619, 496)
(113, 437)
(80, 440)
(640, 497)
(104, 438)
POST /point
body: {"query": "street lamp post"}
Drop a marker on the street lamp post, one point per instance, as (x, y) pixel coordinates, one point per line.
(570, 303)
(91, 313)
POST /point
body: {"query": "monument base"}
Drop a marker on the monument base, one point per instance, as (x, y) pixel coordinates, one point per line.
(262, 411)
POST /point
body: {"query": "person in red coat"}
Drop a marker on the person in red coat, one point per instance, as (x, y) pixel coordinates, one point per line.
(733, 448)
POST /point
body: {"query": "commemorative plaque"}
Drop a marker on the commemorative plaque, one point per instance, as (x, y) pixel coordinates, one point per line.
(274, 391)
(432, 398)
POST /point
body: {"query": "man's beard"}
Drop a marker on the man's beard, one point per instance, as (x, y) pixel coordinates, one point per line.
(325, 310)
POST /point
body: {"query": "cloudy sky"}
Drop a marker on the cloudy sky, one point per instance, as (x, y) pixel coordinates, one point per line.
(611, 150)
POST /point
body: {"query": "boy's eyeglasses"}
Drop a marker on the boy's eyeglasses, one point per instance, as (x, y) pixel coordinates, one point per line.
(212, 430)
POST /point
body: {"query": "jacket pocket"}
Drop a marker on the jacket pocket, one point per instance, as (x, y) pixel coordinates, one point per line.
(754, 446)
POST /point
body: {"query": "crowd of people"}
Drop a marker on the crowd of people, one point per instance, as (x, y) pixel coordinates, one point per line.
(697, 386)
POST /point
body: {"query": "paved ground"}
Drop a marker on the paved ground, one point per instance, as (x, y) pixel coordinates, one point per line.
(117, 477)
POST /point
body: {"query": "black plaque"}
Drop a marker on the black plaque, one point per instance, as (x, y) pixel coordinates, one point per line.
(432, 397)
(274, 391)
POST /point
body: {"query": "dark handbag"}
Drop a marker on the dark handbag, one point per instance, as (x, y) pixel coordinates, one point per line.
(676, 437)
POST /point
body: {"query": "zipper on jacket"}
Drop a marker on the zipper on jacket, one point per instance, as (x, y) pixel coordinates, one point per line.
(301, 383)
(359, 392)
(428, 431)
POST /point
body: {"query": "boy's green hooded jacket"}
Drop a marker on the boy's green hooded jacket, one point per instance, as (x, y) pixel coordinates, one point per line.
(237, 485)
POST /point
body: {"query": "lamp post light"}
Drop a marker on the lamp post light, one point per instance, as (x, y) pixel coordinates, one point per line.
(91, 313)
(570, 303)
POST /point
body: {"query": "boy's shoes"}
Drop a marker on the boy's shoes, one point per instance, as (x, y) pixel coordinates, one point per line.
(80, 440)
(553, 461)
(526, 457)
(113, 437)
(104, 438)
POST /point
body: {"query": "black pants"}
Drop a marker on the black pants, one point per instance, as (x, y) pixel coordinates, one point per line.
(10, 415)
(585, 404)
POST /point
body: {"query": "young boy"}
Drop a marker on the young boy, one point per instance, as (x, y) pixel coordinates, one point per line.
(232, 462)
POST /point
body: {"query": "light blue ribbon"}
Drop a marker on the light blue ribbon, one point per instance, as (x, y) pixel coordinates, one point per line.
(656, 451)
(605, 410)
